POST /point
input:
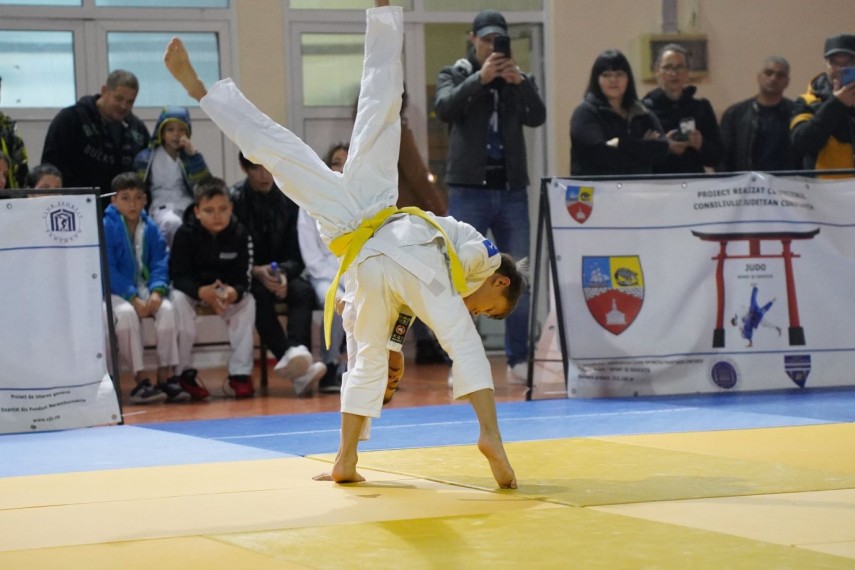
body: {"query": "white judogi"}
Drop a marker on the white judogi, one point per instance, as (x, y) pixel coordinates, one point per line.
(404, 264)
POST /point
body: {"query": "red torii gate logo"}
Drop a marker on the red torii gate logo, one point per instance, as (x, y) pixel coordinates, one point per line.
(755, 239)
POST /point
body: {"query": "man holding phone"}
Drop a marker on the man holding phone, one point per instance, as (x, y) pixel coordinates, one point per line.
(486, 100)
(822, 130)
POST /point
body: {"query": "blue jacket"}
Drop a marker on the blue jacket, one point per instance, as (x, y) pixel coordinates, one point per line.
(121, 258)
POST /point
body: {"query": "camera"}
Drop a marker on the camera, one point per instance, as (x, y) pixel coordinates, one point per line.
(687, 125)
(502, 44)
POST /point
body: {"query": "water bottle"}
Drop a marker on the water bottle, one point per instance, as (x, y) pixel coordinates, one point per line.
(275, 272)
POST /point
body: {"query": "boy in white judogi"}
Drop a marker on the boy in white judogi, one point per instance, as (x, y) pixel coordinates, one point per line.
(391, 259)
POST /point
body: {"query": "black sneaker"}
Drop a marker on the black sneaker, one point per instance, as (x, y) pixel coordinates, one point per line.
(145, 393)
(331, 381)
(192, 384)
(173, 390)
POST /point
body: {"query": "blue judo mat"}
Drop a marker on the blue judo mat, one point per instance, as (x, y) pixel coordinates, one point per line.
(267, 437)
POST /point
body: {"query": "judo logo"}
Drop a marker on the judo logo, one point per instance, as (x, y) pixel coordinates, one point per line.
(62, 222)
(580, 202)
(724, 374)
(797, 367)
(614, 290)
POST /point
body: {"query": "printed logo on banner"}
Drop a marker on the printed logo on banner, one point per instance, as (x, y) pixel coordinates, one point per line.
(62, 222)
(580, 202)
(724, 374)
(614, 290)
(797, 367)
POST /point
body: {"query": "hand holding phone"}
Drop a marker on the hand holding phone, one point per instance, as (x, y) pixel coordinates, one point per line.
(847, 75)
(502, 44)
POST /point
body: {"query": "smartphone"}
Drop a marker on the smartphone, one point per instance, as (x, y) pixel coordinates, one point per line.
(687, 125)
(502, 44)
(847, 74)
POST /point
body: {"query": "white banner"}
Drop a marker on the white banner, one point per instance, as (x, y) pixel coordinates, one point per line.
(684, 286)
(53, 372)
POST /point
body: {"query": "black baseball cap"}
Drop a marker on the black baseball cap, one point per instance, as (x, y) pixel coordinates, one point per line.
(844, 43)
(489, 22)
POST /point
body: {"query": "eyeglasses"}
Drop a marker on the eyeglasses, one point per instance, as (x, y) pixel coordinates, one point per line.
(673, 68)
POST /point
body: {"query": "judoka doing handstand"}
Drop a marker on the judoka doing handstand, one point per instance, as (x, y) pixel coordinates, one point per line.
(440, 269)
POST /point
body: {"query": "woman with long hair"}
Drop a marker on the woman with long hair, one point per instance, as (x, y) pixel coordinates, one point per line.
(612, 132)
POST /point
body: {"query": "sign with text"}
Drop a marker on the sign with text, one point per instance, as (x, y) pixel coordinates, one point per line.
(53, 371)
(716, 284)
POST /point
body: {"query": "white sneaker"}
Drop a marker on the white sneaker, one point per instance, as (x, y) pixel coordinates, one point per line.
(310, 378)
(295, 363)
(518, 373)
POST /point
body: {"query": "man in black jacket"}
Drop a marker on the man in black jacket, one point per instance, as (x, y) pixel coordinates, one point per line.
(270, 217)
(756, 132)
(98, 137)
(486, 100)
(684, 118)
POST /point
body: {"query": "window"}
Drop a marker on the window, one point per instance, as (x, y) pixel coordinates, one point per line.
(141, 53)
(163, 3)
(343, 4)
(37, 68)
(332, 67)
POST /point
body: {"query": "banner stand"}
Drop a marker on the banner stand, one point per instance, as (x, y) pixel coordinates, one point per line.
(53, 370)
(682, 228)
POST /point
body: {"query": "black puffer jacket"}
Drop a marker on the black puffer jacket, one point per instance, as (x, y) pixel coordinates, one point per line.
(822, 131)
(670, 112)
(199, 258)
(594, 123)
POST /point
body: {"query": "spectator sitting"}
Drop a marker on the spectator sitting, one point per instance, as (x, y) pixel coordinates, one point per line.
(321, 267)
(98, 137)
(44, 177)
(270, 217)
(210, 263)
(612, 132)
(5, 166)
(170, 167)
(139, 280)
(12, 145)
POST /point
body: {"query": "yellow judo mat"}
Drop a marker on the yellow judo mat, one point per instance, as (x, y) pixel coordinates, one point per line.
(757, 498)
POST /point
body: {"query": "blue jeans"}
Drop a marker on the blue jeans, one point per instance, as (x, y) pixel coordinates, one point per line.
(505, 212)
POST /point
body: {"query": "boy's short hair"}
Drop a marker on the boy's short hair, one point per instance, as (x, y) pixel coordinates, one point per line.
(208, 188)
(516, 272)
(127, 181)
(43, 169)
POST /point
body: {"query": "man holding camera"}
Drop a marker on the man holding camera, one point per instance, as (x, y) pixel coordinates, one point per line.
(689, 122)
(823, 123)
(486, 100)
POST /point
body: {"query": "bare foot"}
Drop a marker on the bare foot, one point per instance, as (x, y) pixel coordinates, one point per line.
(177, 61)
(345, 472)
(494, 451)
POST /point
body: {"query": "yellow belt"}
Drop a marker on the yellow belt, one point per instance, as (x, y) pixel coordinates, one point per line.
(347, 246)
